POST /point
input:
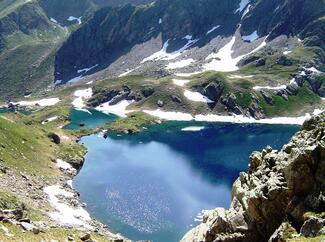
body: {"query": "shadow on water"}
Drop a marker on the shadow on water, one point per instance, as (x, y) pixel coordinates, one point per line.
(215, 144)
(152, 185)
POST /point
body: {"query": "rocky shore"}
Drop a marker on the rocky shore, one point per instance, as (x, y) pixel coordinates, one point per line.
(52, 204)
(279, 198)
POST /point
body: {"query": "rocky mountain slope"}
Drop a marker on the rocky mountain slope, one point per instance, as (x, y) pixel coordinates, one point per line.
(271, 53)
(280, 197)
(31, 32)
(176, 36)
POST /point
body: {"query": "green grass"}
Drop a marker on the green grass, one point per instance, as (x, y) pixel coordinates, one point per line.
(304, 98)
(133, 123)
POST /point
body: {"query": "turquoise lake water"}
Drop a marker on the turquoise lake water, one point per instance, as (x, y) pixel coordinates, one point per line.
(91, 119)
(152, 185)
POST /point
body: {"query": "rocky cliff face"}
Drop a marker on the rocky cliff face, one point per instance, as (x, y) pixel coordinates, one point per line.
(280, 196)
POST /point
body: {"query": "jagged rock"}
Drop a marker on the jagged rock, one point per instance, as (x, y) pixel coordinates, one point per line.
(29, 227)
(284, 61)
(147, 91)
(247, 60)
(85, 237)
(260, 62)
(176, 98)
(292, 89)
(321, 91)
(255, 111)
(212, 90)
(230, 102)
(281, 234)
(134, 96)
(54, 137)
(267, 98)
(299, 80)
(315, 82)
(115, 100)
(160, 103)
(282, 93)
(279, 185)
(313, 227)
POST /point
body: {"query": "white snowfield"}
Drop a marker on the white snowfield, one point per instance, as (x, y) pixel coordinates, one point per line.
(163, 55)
(253, 36)
(187, 74)
(72, 18)
(212, 29)
(180, 83)
(287, 52)
(53, 20)
(179, 64)
(81, 97)
(42, 103)
(281, 87)
(119, 109)
(240, 77)
(50, 120)
(223, 61)
(179, 116)
(242, 5)
(85, 70)
(314, 70)
(63, 165)
(196, 97)
(65, 214)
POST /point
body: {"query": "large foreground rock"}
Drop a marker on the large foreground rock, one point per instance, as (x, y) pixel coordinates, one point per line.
(270, 201)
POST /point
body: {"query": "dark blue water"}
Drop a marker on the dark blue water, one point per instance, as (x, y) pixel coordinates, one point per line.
(153, 184)
(91, 119)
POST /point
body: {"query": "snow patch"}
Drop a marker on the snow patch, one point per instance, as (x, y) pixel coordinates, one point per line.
(85, 70)
(223, 60)
(212, 29)
(63, 165)
(53, 20)
(242, 5)
(253, 36)
(281, 87)
(196, 97)
(180, 83)
(72, 18)
(49, 120)
(43, 102)
(179, 116)
(240, 77)
(187, 74)
(81, 96)
(163, 55)
(119, 109)
(179, 64)
(314, 70)
(176, 116)
(65, 214)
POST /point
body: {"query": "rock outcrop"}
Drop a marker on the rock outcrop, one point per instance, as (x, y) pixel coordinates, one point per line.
(281, 195)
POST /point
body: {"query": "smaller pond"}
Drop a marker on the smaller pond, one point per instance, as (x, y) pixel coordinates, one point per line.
(90, 119)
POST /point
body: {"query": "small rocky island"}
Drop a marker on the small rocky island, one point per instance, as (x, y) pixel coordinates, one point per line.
(280, 197)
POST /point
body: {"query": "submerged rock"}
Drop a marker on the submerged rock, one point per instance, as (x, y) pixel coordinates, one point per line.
(270, 200)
